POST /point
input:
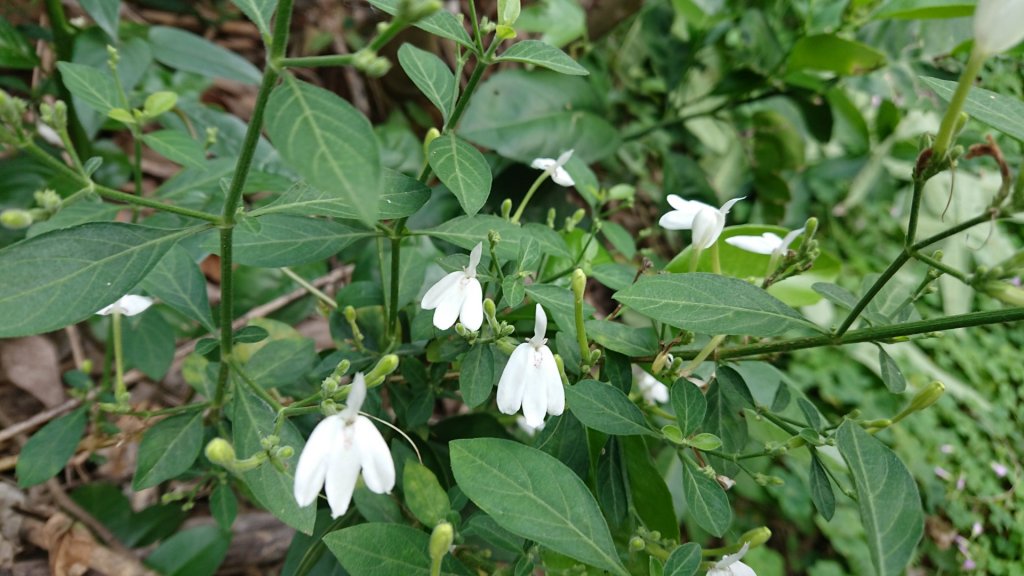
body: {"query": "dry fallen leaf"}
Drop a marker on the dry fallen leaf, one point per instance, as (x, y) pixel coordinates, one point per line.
(31, 363)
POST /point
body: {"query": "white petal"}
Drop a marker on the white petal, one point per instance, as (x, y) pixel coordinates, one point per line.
(728, 205)
(474, 257)
(564, 157)
(540, 323)
(374, 456)
(755, 244)
(741, 569)
(312, 468)
(676, 220)
(535, 398)
(342, 472)
(129, 305)
(513, 380)
(437, 292)
(355, 399)
(49, 134)
(687, 208)
(450, 305)
(998, 25)
(553, 382)
(543, 163)
(472, 313)
(562, 178)
(707, 226)
(789, 238)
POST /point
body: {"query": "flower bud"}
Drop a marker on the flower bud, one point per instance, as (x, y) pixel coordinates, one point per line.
(341, 368)
(506, 208)
(16, 218)
(489, 308)
(579, 283)
(725, 482)
(211, 137)
(756, 537)
(441, 541)
(659, 363)
(112, 57)
(350, 314)
(1004, 292)
(378, 67)
(551, 216)
(284, 452)
(48, 200)
(220, 452)
(927, 396)
(636, 544)
(269, 442)
(385, 366)
(432, 134)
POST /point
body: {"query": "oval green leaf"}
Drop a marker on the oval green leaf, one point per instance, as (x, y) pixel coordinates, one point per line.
(431, 75)
(711, 304)
(381, 549)
(168, 449)
(705, 500)
(605, 408)
(183, 50)
(462, 168)
(1003, 113)
(286, 240)
(48, 450)
(544, 55)
(533, 495)
(832, 53)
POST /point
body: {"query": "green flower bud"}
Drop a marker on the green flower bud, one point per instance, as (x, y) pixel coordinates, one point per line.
(284, 452)
(350, 314)
(756, 537)
(432, 134)
(440, 542)
(341, 369)
(1004, 292)
(489, 308)
(112, 57)
(579, 283)
(385, 366)
(378, 67)
(506, 208)
(48, 200)
(211, 137)
(220, 452)
(636, 544)
(551, 215)
(269, 442)
(16, 218)
(505, 32)
(927, 396)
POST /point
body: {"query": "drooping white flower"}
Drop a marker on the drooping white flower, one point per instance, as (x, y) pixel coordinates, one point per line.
(766, 243)
(730, 565)
(707, 222)
(998, 25)
(530, 430)
(340, 446)
(653, 391)
(554, 167)
(128, 305)
(458, 295)
(530, 379)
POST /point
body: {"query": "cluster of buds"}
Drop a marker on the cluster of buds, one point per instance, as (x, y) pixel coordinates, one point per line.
(12, 110)
(48, 203)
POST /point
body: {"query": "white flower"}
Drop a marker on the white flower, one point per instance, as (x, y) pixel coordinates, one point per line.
(49, 135)
(554, 167)
(531, 379)
(706, 221)
(340, 446)
(766, 243)
(653, 391)
(530, 430)
(998, 25)
(730, 565)
(458, 295)
(128, 305)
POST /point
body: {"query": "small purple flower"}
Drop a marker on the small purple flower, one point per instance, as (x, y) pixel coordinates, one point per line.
(1000, 470)
(943, 473)
(946, 448)
(969, 564)
(976, 530)
(961, 482)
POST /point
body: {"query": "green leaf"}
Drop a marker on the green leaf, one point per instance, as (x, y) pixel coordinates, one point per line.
(185, 51)
(15, 51)
(168, 449)
(94, 86)
(224, 506)
(149, 344)
(328, 142)
(259, 11)
(468, 231)
(477, 376)
(611, 483)
(106, 13)
(544, 55)
(177, 146)
(892, 377)
(621, 338)
(286, 240)
(650, 495)
(552, 113)
(890, 506)
(684, 561)
(705, 500)
(605, 408)
(177, 281)
(194, 552)
(380, 549)
(689, 405)
(463, 170)
(1003, 113)
(845, 299)
(710, 304)
(924, 9)
(61, 277)
(49, 449)
(831, 53)
(726, 400)
(508, 12)
(535, 496)
(252, 420)
(822, 496)
(441, 23)
(401, 196)
(431, 75)
(424, 495)
(280, 363)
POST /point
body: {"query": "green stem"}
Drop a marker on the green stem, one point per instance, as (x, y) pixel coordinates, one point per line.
(703, 354)
(110, 193)
(716, 262)
(880, 283)
(120, 390)
(695, 258)
(64, 41)
(256, 388)
(915, 209)
(529, 194)
(396, 264)
(949, 122)
(873, 334)
(279, 44)
(318, 61)
(944, 268)
(327, 300)
(474, 79)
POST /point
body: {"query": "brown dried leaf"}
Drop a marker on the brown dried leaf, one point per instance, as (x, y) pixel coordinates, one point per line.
(31, 363)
